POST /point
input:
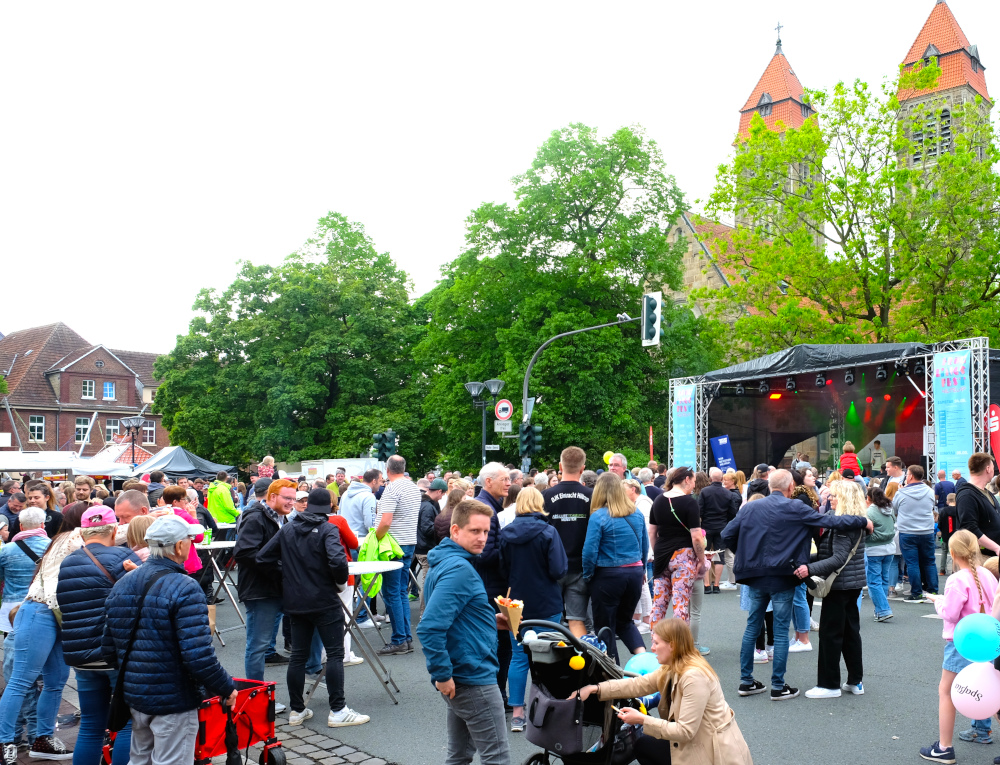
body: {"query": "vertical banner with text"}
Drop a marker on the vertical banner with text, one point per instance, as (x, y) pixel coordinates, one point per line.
(723, 453)
(952, 411)
(685, 448)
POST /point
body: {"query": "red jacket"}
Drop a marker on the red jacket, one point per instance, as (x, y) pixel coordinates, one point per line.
(850, 460)
(347, 539)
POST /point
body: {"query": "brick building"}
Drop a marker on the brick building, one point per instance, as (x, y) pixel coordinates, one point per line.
(56, 381)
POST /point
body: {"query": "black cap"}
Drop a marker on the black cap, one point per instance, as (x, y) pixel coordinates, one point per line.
(261, 484)
(847, 473)
(320, 502)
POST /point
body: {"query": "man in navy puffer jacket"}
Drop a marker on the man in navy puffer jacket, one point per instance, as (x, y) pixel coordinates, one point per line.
(82, 591)
(172, 657)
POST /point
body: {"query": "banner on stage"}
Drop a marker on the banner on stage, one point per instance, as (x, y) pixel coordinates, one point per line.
(685, 449)
(953, 411)
(722, 450)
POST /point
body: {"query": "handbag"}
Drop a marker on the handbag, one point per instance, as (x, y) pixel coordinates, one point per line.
(820, 587)
(119, 712)
(555, 725)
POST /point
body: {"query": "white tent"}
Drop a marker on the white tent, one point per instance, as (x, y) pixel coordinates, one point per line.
(59, 462)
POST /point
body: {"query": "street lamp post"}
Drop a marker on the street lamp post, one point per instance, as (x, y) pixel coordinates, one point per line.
(493, 387)
(132, 426)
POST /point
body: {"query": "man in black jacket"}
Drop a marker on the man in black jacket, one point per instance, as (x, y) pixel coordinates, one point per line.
(978, 510)
(718, 506)
(430, 495)
(259, 587)
(314, 571)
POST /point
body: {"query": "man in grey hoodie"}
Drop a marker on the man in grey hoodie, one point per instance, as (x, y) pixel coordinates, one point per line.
(914, 505)
(358, 504)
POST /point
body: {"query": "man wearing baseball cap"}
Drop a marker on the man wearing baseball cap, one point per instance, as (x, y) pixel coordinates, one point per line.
(172, 654)
(85, 581)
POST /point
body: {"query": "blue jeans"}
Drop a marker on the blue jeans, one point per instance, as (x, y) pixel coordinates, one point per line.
(95, 689)
(40, 653)
(800, 609)
(921, 566)
(394, 593)
(877, 569)
(517, 675)
(27, 720)
(782, 604)
(262, 616)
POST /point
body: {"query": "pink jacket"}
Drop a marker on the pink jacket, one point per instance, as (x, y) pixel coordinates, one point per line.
(961, 598)
(193, 562)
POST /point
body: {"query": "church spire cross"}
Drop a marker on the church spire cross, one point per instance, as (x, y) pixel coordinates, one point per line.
(778, 28)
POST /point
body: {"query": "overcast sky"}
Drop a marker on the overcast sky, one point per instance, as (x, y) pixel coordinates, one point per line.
(149, 147)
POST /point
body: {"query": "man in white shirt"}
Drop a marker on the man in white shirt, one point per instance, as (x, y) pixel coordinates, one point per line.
(894, 469)
(878, 458)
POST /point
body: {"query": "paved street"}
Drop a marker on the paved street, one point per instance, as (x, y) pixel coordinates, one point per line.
(902, 669)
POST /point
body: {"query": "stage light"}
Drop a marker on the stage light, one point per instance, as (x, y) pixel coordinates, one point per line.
(887, 397)
(829, 382)
(849, 377)
(764, 387)
(868, 400)
(880, 373)
(918, 368)
(774, 396)
(790, 383)
(740, 390)
(820, 381)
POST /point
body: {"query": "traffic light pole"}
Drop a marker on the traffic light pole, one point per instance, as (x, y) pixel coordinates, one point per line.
(526, 461)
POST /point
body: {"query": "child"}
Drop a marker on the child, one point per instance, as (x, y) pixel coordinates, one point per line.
(136, 535)
(968, 591)
(947, 523)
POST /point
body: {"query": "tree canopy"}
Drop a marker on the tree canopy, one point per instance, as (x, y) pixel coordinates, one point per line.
(873, 222)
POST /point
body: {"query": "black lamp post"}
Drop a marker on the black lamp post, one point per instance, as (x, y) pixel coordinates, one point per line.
(493, 387)
(132, 426)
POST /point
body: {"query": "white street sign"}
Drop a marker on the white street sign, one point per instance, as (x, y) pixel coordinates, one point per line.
(492, 447)
(502, 426)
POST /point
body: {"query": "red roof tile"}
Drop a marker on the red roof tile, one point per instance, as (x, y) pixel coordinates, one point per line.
(954, 56)
(781, 83)
(36, 350)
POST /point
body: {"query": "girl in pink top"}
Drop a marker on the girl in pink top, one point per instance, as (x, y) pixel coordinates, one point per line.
(970, 590)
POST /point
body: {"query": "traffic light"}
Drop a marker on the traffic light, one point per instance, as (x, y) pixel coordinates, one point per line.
(378, 446)
(652, 308)
(536, 439)
(525, 439)
(390, 442)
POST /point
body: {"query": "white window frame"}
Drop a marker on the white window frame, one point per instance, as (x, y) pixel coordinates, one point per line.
(84, 423)
(106, 396)
(111, 430)
(149, 426)
(36, 426)
(88, 384)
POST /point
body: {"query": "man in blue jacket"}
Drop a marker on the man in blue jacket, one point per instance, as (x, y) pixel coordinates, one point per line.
(458, 633)
(172, 654)
(771, 539)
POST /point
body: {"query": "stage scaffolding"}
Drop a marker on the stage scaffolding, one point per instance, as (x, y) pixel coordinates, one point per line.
(979, 374)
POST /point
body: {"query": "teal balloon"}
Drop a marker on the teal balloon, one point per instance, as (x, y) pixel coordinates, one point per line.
(645, 663)
(977, 637)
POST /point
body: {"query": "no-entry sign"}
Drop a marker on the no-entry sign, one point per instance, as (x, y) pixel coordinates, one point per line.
(504, 409)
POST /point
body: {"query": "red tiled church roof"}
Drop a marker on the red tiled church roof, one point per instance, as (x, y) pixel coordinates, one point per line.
(782, 85)
(955, 53)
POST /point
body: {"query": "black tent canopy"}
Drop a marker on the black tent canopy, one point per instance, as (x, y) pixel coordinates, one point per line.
(178, 462)
(816, 358)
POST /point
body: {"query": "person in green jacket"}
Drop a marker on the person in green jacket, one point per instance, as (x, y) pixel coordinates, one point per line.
(880, 551)
(220, 499)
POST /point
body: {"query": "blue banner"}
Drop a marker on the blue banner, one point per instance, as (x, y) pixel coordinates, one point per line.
(685, 449)
(722, 450)
(952, 411)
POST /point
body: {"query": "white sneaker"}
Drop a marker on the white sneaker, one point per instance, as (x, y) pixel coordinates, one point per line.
(348, 716)
(898, 587)
(727, 586)
(350, 661)
(813, 625)
(770, 653)
(279, 707)
(857, 690)
(823, 693)
(366, 624)
(760, 657)
(297, 718)
(643, 628)
(797, 646)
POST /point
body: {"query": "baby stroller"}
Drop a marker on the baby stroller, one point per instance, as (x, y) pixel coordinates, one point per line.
(574, 732)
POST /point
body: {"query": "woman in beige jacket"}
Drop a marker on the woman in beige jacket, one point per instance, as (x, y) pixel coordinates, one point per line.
(696, 726)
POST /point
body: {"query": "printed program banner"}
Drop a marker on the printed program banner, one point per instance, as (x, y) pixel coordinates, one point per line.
(723, 451)
(685, 449)
(952, 411)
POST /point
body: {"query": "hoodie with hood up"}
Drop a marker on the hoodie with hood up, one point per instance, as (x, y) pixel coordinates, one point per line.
(533, 560)
(914, 505)
(357, 505)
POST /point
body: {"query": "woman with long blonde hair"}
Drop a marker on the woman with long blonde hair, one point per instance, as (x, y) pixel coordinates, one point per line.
(839, 620)
(695, 725)
(741, 483)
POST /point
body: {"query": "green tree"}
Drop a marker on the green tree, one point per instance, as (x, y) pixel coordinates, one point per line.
(303, 361)
(870, 223)
(586, 236)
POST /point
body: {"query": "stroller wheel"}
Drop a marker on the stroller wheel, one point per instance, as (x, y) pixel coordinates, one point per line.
(538, 758)
(273, 756)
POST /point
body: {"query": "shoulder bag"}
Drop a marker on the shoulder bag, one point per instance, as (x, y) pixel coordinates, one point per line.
(820, 587)
(99, 565)
(120, 713)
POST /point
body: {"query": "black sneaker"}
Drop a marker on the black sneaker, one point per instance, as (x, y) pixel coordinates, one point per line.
(785, 693)
(883, 618)
(751, 689)
(8, 753)
(276, 658)
(392, 649)
(915, 599)
(46, 748)
(716, 590)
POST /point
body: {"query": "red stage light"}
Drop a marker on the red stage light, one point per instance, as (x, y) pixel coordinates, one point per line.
(887, 397)
(829, 382)
(868, 400)
(774, 396)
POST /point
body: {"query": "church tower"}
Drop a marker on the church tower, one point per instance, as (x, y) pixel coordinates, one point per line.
(962, 80)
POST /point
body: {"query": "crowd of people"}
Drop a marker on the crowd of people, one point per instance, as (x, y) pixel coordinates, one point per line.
(616, 555)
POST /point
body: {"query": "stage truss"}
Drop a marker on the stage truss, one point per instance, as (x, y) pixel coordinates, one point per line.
(979, 374)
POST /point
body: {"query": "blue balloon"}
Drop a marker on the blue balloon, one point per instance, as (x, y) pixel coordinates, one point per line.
(643, 663)
(977, 637)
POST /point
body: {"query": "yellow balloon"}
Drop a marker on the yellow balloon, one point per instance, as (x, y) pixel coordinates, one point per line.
(576, 662)
(607, 457)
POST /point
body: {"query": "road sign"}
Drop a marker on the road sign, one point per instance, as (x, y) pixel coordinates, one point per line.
(502, 426)
(492, 447)
(504, 409)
